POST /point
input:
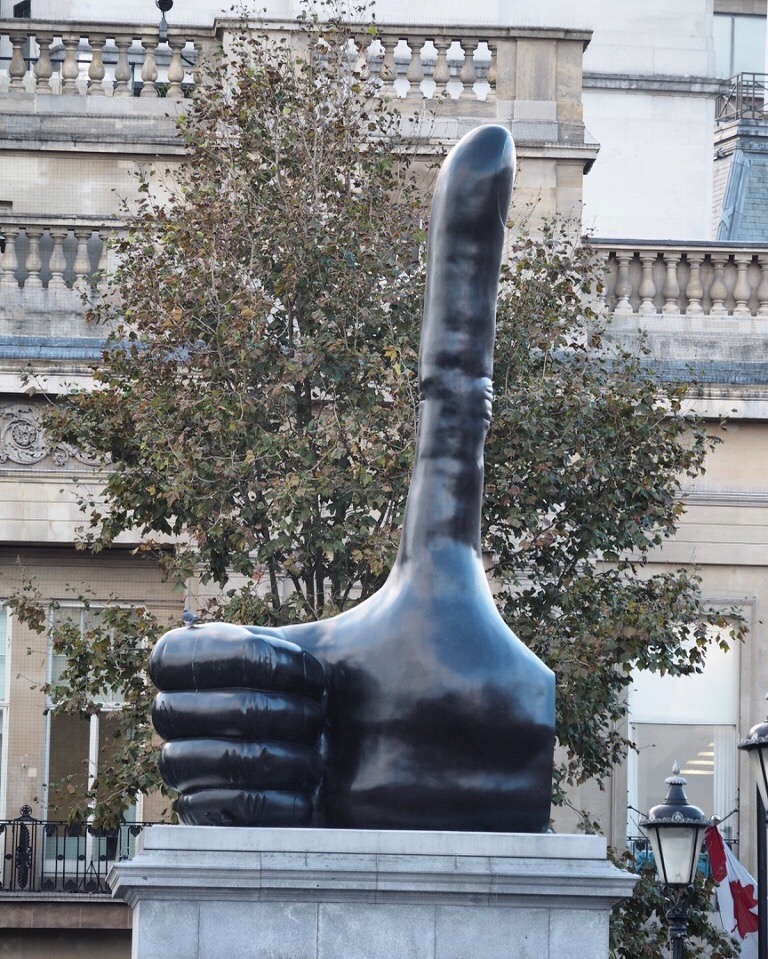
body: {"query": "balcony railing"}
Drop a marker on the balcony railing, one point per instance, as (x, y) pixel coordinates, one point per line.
(419, 63)
(59, 857)
(52, 253)
(49, 268)
(743, 98)
(685, 279)
(124, 60)
(97, 59)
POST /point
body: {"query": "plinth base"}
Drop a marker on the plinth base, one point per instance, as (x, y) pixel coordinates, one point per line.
(201, 892)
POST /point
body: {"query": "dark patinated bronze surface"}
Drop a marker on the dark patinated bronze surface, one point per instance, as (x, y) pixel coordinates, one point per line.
(438, 717)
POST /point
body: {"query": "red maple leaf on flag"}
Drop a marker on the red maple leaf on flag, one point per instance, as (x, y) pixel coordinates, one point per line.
(744, 902)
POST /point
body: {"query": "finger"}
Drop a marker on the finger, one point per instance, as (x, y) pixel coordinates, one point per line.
(221, 655)
(466, 240)
(242, 807)
(238, 714)
(192, 764)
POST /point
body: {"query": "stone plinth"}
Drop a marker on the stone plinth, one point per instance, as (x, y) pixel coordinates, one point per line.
(211, 893)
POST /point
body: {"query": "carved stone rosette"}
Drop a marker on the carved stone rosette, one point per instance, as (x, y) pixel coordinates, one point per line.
(23, 442)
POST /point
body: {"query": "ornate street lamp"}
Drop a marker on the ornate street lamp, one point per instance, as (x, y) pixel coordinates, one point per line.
(676, 830)
(756, 746)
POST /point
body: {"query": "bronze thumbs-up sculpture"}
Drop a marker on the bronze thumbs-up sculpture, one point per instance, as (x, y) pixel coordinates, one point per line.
(419, 708)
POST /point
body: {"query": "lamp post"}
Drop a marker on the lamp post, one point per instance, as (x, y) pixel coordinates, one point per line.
(756, 746)
(163, 6)
(676, 830)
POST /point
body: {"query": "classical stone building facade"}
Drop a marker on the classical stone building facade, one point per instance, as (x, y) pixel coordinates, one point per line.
(633, 94)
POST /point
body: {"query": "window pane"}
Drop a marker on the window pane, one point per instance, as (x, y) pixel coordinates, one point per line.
(711, 696)
(723, 34)
(65, 619)
(748, 44)
(706, 755)
(86, 621)
(67, 762)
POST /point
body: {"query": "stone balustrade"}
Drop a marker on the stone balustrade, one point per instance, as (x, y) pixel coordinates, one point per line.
(52, 253)
(97, 59)
(685, 279)
(123, 60)
(695, 312)
(413, 62)
(49, 268)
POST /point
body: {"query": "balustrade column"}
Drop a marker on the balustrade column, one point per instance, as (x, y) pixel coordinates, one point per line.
(123, 67)
(647, 288)
(82, 266)
(415, 72)
(203, 48)
(694, 291)
(488, 72)
(102, 278)
(149, 68)
(176, 68)
(718, 291)
(198, 70)
(741, 289)
(671, 291)
(44, 67)
(601, 307)
(623, 285)
(388, 68)
(17, 68)
(762, 290)
(9, 262)
(96, 71)
(58, 261)
(70, 70)
(441, 73)
(468, 75)
(34, 263)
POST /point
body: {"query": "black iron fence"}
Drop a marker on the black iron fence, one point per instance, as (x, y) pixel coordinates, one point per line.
(53, 856)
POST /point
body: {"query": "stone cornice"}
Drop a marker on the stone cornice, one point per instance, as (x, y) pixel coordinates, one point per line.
(654, 83)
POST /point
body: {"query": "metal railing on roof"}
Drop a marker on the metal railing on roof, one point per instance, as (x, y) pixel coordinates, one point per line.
(744, 97)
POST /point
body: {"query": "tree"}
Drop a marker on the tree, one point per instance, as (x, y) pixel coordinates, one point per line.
(258, 368)
(256, 401)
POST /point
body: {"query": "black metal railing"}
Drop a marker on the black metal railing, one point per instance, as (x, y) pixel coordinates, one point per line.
(743, 98)
(56, 856)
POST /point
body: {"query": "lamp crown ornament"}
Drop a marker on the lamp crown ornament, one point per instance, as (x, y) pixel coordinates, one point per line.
(757, 736)
(676, 807)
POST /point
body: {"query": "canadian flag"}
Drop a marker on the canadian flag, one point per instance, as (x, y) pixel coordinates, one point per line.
(736, 893)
